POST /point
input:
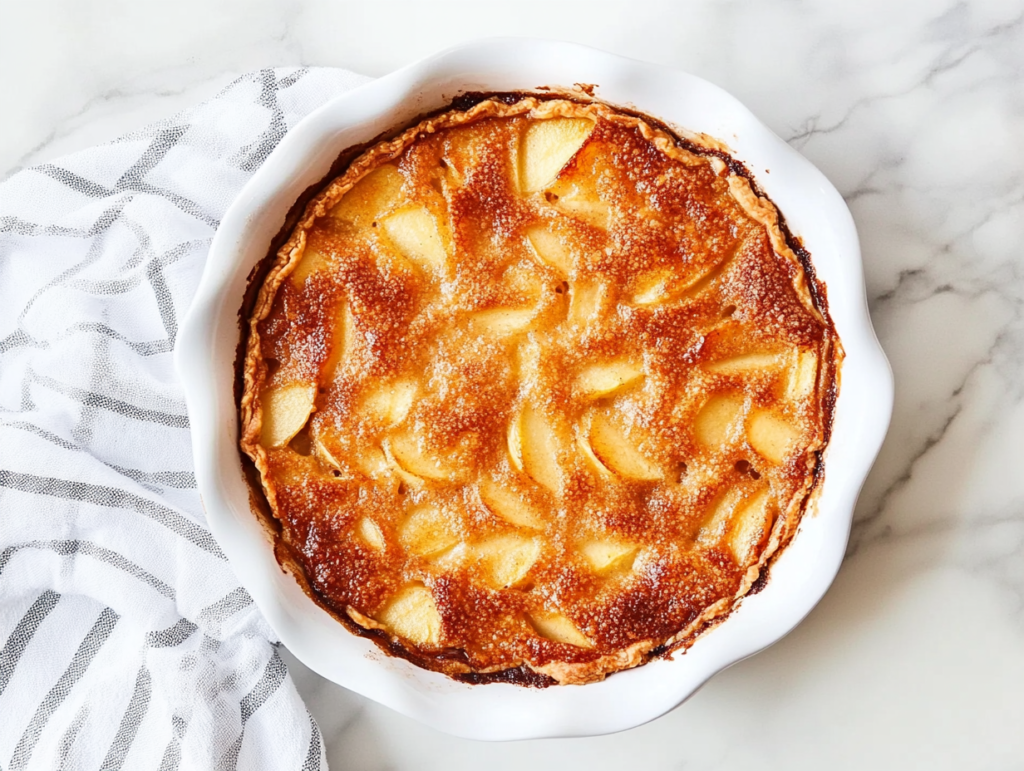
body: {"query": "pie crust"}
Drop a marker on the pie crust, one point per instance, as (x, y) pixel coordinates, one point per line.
(536, 390)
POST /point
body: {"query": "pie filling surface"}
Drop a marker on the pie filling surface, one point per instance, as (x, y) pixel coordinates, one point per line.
(535, 390)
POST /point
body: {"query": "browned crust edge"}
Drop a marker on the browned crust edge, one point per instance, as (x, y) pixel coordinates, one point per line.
(279, 263)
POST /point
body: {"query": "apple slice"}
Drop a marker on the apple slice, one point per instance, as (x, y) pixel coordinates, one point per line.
(505, 559)
(616, 452)
(392, 463)
(464, 150)
(555, 626)
(321, 451)
(550, 249)
(771, 435)
(653, 286)
(412, 614)
(606, 556)
(750, 527)
(342, 341)
(717, 521)
(585, 302)
(583, 206)
(509, 320)
(717, 419)
(311, 261)
(508, 506)
(599, 380)
(371, 197)
(744, 363)
(285, 411)
(515, 443)
(413, 231)
(410, 457)
(391, 402)
(426, 532)
(534, 446)
(804, 375)
(664, 285)
(369, 531)
(374, 463)
(583, 443)
(502, 322)
(546, 147)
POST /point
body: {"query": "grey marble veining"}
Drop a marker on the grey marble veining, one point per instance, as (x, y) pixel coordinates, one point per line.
(915, 110)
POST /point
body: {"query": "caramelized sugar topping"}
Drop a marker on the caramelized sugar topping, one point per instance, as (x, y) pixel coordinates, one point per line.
(548, 389)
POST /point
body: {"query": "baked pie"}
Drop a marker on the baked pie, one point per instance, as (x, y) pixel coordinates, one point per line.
(536, 390)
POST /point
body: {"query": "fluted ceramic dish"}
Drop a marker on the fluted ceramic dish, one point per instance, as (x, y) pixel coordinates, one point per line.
(207, 342)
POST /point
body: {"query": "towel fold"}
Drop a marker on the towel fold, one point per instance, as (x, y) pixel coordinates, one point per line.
(125, 638)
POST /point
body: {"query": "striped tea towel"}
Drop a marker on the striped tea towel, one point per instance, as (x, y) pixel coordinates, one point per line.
(125, 639)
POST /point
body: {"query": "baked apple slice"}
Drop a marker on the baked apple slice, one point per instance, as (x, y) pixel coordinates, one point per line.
(426, 532)
(342, 341)
(803, 376)
(582, 204)
(412, 614)
(751, 524)
(599, 380)
(416, 465)
(506, 505)
(606, 556)
(618, 453)
(717, 420)
(654, 286)
(555, 626)
(391, 402)
(370, 532)
(583, 444)
(586, 301)
(413, 231)
(550, 249)
(716, 522)
(505, 560)
(534, 446)
(370, 198)
(742, 519)
(771, 435)
(285, 410)
(745, 363)
(503, 322)
(545, 148)
(312, 261)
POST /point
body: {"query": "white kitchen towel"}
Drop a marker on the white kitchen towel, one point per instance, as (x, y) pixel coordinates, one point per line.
(125, 638)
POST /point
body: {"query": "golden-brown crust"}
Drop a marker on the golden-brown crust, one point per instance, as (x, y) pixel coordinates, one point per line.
(717, 576)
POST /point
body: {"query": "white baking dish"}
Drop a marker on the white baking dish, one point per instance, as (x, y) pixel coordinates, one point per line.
(208, 338)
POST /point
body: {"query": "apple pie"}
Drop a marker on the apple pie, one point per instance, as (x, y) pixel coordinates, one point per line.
(536, 390)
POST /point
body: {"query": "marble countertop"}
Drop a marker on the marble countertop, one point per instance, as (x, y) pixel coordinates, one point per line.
(915, 111)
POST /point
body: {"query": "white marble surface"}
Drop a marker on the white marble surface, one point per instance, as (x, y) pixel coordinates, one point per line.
(915, 110)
